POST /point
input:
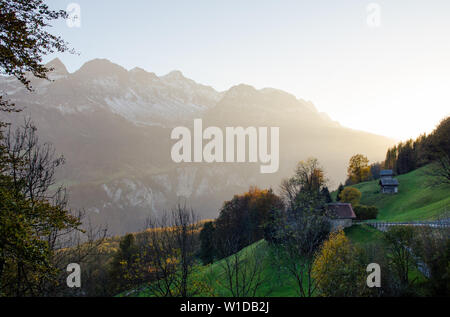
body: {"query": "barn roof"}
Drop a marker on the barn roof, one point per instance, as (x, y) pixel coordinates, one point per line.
(342, 210)
(386, 173)
(389, 182)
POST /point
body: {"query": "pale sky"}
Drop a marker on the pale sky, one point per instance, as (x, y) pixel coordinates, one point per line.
(392, 79)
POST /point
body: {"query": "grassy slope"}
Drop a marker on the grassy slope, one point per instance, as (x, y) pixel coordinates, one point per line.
(417, 199)
(363, 234)
(283, 285)
(275, 284)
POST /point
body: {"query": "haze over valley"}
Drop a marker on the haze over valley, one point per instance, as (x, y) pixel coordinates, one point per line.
(113, 127)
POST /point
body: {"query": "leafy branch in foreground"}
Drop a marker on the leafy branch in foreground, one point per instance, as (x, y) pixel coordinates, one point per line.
(25, 40)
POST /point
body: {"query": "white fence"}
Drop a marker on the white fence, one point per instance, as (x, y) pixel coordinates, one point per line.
(383, 226)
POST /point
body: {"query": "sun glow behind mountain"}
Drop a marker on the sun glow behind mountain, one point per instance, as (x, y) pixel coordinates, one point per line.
(378, 79)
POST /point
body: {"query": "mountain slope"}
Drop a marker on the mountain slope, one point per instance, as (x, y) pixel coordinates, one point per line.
(138, 96)
(114, 126)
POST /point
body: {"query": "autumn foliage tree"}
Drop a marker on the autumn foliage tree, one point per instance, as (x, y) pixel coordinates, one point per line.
(242, 220)
(337, 268)
(34, 219)
(350, 195)
(25, 257)
(358, 169)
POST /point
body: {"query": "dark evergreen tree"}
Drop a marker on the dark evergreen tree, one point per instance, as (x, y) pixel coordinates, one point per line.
(326, 195)
(412, 154)
(375, 170)
(406, 159)
(207, 249)
(122, 262)
(340, 189)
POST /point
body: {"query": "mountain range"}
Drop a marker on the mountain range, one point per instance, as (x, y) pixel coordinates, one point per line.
(113, 126)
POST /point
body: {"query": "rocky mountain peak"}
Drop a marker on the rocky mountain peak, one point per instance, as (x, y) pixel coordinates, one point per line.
(174, 75)
(101, 67)
(57, 68)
